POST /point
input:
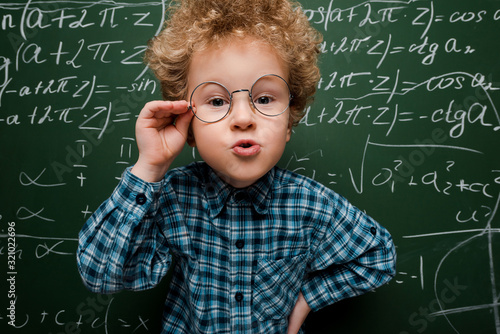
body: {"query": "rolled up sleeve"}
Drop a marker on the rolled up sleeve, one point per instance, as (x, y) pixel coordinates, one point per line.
(353, 255)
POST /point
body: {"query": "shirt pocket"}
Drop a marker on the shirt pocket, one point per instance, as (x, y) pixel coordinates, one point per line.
(276, 286)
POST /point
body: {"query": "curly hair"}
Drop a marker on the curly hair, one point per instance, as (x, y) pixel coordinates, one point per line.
(195, 25)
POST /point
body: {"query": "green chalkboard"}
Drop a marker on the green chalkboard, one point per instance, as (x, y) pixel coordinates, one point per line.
(405, 124)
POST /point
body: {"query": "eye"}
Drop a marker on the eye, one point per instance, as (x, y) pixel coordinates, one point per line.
(263, 100)
(217, 102)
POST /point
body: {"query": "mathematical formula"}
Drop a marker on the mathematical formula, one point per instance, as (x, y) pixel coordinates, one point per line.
(406, 112)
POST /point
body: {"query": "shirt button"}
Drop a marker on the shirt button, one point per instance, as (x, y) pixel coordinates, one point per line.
(238, 296)
(373, 230)
(240, 244)
(141, 199)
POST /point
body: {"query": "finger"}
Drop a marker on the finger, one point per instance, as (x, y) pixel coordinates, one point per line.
(164, 109)
(178, 107)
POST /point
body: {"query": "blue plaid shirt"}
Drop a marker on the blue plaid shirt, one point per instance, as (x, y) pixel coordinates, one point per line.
(242, 255)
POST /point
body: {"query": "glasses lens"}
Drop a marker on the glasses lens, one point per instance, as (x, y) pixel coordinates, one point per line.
(271, 95)
(210, 102)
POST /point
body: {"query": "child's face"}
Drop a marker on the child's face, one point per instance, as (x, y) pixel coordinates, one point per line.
(246, 144)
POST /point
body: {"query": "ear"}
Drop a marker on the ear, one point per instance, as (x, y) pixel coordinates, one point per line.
(289, 133)
(289, 130)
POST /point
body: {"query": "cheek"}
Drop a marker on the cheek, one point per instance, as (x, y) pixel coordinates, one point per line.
(280, 129)
(196, 132)
(276, 135)
(205, 136)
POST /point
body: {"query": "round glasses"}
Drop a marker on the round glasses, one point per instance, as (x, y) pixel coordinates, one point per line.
(270, 95)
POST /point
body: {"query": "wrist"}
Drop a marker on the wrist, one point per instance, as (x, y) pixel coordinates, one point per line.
(148, 172)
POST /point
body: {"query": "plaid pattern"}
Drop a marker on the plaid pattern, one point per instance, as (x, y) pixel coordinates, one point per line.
(242, 255)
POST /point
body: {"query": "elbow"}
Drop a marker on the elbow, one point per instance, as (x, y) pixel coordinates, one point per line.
(96, 284)
(388, 267)
(90, 277)
(93, 275)
(92, 287)
(392, 260)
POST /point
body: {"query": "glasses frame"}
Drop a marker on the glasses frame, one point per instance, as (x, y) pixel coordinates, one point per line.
(249, 91)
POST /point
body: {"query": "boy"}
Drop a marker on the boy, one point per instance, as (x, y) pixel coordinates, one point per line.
(256, 247)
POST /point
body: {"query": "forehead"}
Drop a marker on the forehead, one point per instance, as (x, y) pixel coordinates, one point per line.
(236, 61)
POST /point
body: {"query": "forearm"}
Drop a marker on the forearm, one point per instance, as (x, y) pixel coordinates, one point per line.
(117, 238)
(356, 277)
(298, 315)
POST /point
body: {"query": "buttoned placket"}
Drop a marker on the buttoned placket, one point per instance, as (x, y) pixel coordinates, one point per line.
(238, 215)
(239, 208)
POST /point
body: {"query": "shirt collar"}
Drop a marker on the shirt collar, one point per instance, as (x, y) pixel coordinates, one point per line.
(219, 192)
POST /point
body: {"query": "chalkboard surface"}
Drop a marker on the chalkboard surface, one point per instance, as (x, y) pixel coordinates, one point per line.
(405, 124)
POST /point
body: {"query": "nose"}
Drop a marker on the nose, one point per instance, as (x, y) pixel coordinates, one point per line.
(242, 113)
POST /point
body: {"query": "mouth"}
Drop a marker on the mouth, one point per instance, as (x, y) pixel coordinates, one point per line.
(246, 147)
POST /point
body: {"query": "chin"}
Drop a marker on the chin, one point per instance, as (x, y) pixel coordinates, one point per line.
(240, 180)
